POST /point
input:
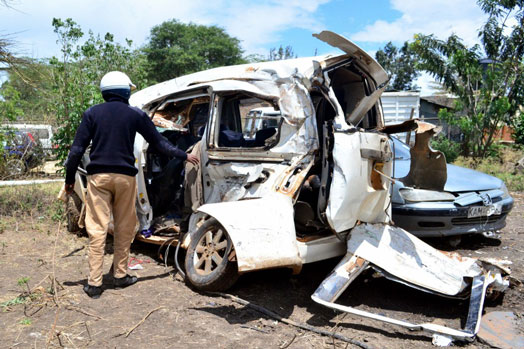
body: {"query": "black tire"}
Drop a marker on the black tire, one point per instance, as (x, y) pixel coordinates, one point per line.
(73, 209)
(209, 259)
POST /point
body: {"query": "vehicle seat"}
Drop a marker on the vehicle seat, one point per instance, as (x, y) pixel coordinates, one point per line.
(262, 135)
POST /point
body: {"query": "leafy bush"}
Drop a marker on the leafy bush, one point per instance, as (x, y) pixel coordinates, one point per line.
(450, 149)
(518, 128)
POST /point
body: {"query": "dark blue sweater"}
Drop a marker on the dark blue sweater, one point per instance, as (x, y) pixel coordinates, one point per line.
(112, 127)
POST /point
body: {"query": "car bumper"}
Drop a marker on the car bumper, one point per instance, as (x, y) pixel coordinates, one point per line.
(434, 219)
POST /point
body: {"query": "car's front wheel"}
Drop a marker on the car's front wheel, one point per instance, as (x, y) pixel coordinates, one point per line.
(210, 259)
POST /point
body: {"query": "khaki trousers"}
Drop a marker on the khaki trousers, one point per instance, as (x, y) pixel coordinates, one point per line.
(110, 193)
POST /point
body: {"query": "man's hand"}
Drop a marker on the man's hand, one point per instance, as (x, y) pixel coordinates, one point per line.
(69, 188)
(192, 159)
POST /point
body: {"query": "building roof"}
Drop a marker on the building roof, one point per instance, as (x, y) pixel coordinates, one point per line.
(441, 100)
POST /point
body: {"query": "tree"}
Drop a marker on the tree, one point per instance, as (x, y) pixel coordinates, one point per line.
(400, 66)
(176, 49)
(281, 53)
(487, 79)
(32, 82)
(77, 74)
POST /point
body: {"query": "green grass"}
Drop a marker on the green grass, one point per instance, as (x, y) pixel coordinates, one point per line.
(25, 322)
(14, 301)
(501, 166)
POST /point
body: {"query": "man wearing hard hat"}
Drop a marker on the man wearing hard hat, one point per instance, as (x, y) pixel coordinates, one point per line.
(111, 128)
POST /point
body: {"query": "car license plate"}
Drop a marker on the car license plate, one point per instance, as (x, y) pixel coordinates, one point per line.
(481, 211)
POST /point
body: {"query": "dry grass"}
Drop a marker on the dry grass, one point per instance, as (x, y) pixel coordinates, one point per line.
(502, 166)
(37, 201)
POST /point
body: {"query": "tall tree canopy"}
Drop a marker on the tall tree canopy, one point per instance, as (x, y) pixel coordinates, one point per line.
(77, 73)
(29, 90)
(399, 63)
(487, 79)
(176, 49)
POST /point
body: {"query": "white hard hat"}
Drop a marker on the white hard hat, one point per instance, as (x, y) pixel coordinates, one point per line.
(116, 80)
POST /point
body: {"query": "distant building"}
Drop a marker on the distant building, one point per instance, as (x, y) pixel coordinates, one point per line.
(401, 106)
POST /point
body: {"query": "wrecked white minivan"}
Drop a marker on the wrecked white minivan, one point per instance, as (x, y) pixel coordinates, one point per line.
(311, 183)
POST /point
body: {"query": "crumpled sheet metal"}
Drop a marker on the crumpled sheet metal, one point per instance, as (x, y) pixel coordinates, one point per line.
(298, 133)
(377, 72)
(262, 231)
(428, 168)
(410, 259)
(234, 75)
(352, 197)
(363, 106)
(402, 257)
(298, 138)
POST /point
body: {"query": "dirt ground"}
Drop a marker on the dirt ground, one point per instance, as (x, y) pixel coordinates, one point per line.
(160, 311)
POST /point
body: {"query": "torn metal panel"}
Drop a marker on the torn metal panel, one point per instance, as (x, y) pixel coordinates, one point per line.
(235, 75)
(143, 208)
(298, 111)
(363, 106)
(428, 167)
(321, 249)
(473, 315)
(263, 240)
(377, 72)
(352, 196)
(293, 178)
(410, 259)
(240, 180)
(403, 258)
(346, 271)
(405, 126)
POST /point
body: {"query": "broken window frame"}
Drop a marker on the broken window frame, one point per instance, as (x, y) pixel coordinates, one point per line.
(239, 154)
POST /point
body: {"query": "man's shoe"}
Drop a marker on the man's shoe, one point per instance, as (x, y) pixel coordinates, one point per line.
(127, 280)
(93, 291)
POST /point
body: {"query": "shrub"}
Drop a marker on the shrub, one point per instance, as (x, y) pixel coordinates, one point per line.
(450, 149)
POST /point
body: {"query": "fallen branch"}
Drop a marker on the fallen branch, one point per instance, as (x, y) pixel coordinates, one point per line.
(55, 296)
(55, 293)
(285, 345)
(80, 310)
(288, 321)
(141, 321)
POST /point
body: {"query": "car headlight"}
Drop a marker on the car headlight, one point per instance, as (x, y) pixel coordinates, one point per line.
(418, 195)
(505, 190)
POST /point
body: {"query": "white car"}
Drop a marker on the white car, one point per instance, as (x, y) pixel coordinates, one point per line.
(314, 185)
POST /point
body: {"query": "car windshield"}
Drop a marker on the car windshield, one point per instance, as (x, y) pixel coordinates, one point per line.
(401, 149)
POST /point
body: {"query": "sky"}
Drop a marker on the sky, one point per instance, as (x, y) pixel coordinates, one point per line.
(260, 24)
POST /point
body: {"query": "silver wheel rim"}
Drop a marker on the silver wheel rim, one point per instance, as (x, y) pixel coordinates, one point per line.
(210, 251)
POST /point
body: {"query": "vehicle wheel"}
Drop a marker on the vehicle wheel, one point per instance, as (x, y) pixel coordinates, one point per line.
(73, 209)
(15, 167)
(210, 259)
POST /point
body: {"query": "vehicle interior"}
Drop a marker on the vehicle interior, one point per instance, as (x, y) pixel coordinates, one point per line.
(164, 177)
(236, 116)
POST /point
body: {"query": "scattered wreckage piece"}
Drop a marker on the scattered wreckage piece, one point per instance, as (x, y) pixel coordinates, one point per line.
(501, 329)
(402, 257)
(428, 166)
